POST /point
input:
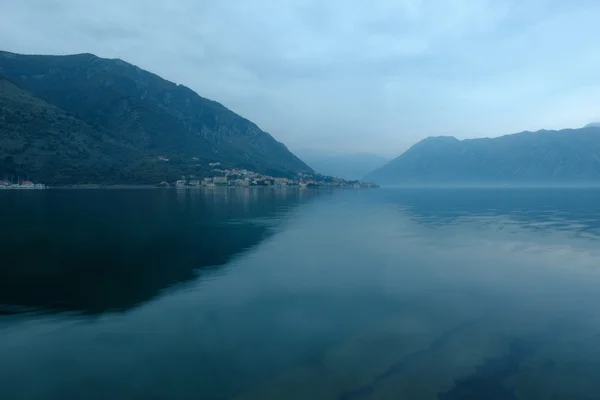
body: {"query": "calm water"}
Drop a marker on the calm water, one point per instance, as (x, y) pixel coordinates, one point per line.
(300, 294)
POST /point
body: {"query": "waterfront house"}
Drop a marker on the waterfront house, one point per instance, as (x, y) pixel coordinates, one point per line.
(220, 180)
(195, 183)
(180, 184)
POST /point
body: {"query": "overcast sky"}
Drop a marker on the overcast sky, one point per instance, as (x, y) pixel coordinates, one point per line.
(346, 74)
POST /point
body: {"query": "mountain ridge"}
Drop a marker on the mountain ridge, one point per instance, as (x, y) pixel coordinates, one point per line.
(153, 116)
(545, 156)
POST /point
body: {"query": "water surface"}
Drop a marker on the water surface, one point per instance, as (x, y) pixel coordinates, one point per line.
(300, 294)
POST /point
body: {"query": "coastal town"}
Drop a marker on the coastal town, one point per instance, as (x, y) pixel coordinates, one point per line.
(21, 185)
(246, 178)
(230, 177)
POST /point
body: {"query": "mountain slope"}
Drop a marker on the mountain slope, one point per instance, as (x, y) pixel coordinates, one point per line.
(148, 114)
(41, 140)
(351, 166)
(546, 156)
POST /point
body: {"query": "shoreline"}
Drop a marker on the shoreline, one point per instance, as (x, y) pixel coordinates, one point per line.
(100, 186)
(191, 188)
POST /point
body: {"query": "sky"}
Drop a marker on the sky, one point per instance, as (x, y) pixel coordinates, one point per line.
(346, 75)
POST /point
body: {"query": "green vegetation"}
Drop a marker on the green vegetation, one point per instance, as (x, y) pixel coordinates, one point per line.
(84, 119)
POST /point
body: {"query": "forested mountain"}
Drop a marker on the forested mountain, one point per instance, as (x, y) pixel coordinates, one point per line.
(42, 141)
(82, 119)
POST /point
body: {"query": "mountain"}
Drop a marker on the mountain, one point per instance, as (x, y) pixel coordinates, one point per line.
(593, 125)
(125, 118)
(352, 166)
(42, 141)
(565, 156)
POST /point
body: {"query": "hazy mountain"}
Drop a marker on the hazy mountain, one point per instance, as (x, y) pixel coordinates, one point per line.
(124, 118)
(344, 165)
(566, 156)
(593, 125)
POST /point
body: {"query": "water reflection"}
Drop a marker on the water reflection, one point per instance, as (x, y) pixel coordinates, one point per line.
(544, 210)
(97, 250)
(357, 295)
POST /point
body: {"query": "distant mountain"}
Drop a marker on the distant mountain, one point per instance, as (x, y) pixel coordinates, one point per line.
(352, 166)
(565, 156)
(593, 125)
(123, 119)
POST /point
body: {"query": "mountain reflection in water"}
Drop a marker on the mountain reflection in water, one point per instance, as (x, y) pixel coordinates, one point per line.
(94, 251)
(301, 294)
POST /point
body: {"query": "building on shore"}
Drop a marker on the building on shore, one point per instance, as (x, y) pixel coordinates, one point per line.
(241, 182)
(22, 185)
(241, 177)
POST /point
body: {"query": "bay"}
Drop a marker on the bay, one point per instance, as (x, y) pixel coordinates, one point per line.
(263, 293)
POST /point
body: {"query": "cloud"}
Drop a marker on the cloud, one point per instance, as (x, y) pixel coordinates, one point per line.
(352, 75)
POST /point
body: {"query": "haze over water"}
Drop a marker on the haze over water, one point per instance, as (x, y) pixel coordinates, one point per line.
(300, 294)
